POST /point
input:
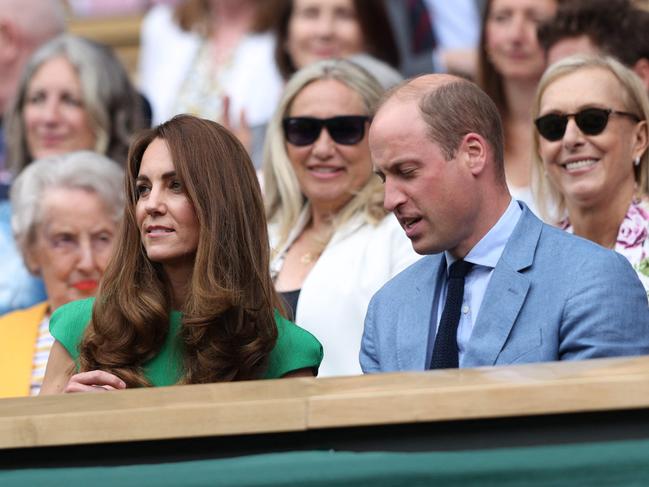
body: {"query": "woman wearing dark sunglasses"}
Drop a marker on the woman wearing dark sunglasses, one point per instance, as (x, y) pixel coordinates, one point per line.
(590, 148)
(333, 244)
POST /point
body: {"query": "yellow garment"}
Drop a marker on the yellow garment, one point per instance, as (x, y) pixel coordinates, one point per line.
(18, 334)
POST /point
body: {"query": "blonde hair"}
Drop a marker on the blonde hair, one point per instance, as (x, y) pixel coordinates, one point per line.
(550, 202)
(284, 199)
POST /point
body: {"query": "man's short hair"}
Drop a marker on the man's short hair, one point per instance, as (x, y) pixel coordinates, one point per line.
(452, 110)
(615, 27)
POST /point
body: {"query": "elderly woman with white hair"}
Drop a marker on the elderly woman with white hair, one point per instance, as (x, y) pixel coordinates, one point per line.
(66, 210)
(333, 243)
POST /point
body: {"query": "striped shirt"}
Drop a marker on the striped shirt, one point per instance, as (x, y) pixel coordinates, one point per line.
(44, 343)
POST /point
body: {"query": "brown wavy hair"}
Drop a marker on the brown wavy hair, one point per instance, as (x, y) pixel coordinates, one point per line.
(228, 326)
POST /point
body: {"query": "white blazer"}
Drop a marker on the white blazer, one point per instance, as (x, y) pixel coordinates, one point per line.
(357, 261)
(166, 56)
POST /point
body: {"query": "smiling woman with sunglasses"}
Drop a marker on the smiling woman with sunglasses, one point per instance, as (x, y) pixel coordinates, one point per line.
(591, 173)
(333, 243)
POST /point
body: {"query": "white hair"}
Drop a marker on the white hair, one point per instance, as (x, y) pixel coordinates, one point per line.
(75, 170)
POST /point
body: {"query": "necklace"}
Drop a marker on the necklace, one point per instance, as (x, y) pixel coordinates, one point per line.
(309, 258)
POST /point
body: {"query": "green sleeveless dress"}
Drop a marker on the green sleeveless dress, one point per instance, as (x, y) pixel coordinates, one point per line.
(295, 348)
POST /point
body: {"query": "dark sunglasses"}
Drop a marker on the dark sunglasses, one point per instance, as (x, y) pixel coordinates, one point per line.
(591, 121)
(345, 130)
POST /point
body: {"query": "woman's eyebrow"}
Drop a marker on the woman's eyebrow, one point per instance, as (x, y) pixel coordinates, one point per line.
(167, 175)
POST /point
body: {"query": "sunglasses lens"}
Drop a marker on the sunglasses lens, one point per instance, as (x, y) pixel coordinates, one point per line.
(302, 131)
(347, 130)
(592, 121)
(552, 126)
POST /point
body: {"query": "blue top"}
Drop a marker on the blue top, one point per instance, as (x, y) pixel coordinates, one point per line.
(18, 288)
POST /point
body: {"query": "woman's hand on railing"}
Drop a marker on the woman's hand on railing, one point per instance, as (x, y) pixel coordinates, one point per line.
(94, 381)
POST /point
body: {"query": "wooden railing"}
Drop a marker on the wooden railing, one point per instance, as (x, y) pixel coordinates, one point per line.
(303, 405)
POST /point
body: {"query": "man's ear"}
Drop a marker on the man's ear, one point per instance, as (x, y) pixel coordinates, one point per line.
(473, 149)
(9, 42)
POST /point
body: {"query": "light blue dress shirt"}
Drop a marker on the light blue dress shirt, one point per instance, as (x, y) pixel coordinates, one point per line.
(485, 256)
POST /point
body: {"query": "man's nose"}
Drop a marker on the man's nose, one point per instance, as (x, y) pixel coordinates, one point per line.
(393, 196)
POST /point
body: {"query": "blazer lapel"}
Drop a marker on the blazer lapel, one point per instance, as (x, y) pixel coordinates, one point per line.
(414, 317)
(505, 294)
(502, 302)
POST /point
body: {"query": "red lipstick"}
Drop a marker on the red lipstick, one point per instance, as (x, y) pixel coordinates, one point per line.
(88, 285)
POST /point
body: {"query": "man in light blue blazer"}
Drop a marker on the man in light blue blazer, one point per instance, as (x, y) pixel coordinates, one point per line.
(528, 292)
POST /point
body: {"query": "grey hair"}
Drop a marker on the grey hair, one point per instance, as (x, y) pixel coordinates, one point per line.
(75, 170)
(113, 105)
(382, 71)
(550, 202)
(283, 196)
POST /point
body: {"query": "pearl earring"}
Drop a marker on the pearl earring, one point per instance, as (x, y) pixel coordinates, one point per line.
(636, 161)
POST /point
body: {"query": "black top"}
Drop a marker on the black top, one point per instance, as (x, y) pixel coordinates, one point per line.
(290, 300)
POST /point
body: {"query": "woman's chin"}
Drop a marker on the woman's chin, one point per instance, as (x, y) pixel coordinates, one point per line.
(584, 197)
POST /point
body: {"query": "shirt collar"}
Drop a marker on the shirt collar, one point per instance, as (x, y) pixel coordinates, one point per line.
(488, 250)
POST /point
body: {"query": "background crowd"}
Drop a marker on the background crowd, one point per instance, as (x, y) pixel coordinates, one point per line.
(286, 218)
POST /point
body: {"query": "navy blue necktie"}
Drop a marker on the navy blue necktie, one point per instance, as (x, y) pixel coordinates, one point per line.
(445, 354)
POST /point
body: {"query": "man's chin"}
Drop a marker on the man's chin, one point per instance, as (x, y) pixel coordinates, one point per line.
(425, 248)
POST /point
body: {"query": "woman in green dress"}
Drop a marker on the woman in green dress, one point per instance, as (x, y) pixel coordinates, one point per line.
(187, 297)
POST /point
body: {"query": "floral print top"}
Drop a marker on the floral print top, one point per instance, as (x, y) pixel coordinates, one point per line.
(632, 238)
